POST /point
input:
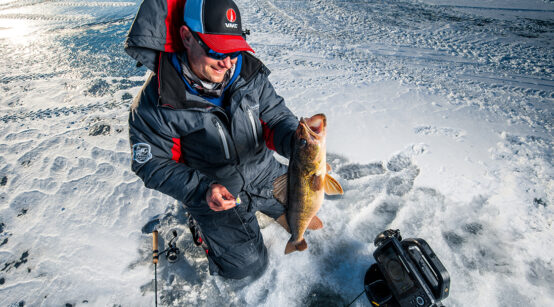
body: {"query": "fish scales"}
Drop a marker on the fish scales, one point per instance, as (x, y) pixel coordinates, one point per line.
(306, 182)
(305, 194)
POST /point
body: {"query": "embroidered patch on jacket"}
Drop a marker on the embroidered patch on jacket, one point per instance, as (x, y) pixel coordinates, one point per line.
(142, 152)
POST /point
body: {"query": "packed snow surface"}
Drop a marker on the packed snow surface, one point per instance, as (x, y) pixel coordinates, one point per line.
(439, 124)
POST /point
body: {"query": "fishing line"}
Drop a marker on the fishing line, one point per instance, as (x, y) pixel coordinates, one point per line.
(355, 299)
(242, 223)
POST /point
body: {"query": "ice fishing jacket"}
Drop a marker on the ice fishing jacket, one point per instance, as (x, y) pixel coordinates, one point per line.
(181, 143)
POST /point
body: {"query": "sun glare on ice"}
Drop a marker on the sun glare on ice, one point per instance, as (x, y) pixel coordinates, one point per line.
(16, 31)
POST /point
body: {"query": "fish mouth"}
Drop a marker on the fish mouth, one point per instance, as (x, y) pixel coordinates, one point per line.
(315, 125)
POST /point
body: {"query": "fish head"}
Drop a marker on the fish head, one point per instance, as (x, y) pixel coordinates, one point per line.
(310, 138)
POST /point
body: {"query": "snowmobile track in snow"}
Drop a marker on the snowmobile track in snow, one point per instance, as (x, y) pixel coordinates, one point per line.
(64, 111)
(373, 42)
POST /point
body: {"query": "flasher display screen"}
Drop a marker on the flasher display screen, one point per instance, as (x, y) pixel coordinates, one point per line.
(395, 270)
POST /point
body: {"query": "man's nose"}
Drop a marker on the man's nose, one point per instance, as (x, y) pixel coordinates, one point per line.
(226, 62)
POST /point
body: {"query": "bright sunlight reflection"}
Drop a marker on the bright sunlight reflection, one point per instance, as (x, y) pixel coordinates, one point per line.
(17, 31)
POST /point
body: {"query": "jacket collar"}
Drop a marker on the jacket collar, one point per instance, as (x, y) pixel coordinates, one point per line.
(172, 90)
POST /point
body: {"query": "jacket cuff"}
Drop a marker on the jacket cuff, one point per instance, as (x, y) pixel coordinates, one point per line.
(284, 136)
(200, 196)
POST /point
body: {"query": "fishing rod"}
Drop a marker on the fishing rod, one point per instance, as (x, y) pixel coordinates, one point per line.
(170, 254)
(155, 260)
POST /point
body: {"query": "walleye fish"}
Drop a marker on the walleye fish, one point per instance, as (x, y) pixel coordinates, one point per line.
(302, 188)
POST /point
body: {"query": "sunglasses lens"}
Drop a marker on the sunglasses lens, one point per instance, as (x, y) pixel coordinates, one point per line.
(221, 56)
(211, 53)
(234, 55)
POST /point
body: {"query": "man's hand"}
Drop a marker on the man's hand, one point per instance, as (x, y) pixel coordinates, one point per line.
(219, 198)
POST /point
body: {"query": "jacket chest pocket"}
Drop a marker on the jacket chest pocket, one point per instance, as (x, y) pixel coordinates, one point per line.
(209, 145)
(223, 139)
(246, 124)
(255, 126)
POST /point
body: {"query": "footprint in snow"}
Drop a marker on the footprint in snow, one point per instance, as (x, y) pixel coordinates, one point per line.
(355, 171)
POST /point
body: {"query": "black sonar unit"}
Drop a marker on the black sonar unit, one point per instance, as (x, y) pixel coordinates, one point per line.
(406, 273)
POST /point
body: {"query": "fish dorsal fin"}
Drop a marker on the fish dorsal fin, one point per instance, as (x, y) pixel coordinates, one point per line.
(280, 189)
(328, 168)
(332, 186)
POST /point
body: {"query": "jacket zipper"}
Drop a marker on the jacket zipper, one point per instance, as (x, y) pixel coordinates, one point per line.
(223, 139)
(251, 116)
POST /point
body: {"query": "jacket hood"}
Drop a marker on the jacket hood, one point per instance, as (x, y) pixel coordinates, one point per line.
(155, 28)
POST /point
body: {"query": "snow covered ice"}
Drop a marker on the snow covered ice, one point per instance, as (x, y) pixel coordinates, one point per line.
(439, 124)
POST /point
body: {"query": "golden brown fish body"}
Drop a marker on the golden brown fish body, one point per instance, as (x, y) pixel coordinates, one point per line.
(307, 181)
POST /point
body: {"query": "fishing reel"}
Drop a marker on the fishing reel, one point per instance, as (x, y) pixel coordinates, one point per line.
(171, 251)
(406, 273)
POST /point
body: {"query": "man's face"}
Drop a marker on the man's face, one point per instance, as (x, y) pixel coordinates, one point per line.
(204, 67)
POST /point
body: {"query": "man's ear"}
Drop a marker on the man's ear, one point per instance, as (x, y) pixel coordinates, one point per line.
(184, 31)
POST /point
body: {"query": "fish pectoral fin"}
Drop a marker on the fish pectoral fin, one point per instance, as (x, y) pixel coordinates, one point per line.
(315, 223)
(280, 189)
(328, 168)
(332, 186)
(282, 220)
(316, 182)
(295, 246)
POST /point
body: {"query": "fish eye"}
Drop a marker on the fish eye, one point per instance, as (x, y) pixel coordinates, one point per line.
(303, 142)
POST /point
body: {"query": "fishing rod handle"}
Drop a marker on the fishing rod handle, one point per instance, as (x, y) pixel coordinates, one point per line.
(155, 246)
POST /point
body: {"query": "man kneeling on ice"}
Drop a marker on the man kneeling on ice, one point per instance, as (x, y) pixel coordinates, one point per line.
(202, 126)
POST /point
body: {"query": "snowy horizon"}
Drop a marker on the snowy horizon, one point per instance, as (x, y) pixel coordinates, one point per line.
(439, 124)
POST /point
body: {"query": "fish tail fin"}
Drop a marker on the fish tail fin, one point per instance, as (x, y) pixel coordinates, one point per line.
(315, 223)
(282, 220)
(293, 246)
(302, 245)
